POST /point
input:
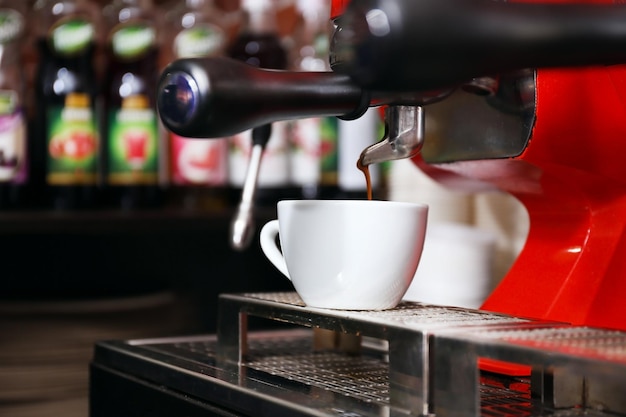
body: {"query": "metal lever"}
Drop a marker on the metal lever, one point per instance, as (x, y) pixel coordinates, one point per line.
(242, 225)
(218, 97)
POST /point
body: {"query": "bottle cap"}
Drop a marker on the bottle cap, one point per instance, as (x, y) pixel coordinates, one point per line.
(75, 99)
(261, 15)
(135, 102)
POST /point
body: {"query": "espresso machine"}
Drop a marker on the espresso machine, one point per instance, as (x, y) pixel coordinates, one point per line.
(527, 98)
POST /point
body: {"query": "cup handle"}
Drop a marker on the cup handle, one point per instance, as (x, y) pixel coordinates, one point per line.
(269, 247)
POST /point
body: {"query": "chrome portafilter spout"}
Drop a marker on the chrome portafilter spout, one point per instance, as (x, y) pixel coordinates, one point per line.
(242, 225)
(404, 137)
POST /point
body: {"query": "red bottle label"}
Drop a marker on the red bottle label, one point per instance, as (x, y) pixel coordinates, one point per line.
(199, 161)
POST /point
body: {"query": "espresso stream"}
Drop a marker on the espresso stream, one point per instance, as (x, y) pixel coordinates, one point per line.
(365, 169)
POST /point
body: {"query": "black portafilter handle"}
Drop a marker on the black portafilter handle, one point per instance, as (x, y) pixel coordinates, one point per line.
(218, 97)
(412, 45)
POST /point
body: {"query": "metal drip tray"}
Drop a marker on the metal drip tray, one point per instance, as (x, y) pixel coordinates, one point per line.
(573, 367)
(406, 315)
(413, 360)
(406, 330)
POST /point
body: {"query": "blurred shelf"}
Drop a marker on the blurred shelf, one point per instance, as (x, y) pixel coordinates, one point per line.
(118, 221)
(101, 253)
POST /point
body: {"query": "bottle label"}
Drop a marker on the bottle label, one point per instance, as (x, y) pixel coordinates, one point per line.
(71, 36)
(305, 151)
(199, 161)
(329, 157)
(201, 40)
(11, 25)
(134, 40)
(133, 144)
(12, 140)
(72, 140)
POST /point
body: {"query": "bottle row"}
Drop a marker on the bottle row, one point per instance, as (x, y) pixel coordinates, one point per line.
(79, 127)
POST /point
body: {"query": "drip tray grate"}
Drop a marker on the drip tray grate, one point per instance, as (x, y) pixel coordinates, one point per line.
(356, 377)
(287, 359)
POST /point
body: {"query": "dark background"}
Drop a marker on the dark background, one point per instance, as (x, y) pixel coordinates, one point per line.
(107, 255)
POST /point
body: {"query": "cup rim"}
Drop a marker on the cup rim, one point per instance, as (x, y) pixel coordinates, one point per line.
(331, 202)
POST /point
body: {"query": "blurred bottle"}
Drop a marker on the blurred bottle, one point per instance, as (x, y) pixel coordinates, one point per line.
(66, 145)
(198, 167)
(353, 137)
(13, 125)
(259, 44)
(230, 17)
(132, 146)
(313, 150)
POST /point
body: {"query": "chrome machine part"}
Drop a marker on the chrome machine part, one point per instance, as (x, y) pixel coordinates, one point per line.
(487, 119)
(404, 139)
(242, 225)
(470, 125)
(406, 330)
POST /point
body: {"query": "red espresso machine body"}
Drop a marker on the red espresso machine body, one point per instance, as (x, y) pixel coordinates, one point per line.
(572, 267)
(571, 178)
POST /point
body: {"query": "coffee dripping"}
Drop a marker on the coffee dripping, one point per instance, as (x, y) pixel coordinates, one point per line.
(526, 98)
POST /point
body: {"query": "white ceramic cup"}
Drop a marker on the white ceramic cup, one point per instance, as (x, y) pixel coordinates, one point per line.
(347, 254)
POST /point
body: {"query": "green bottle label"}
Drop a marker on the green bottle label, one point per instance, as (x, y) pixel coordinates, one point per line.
(11, 25)
(329, 158)
(133, 40)
(8, 102)
(72, 36)
(199, 41)
(133, 145)
(72, 140)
